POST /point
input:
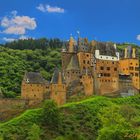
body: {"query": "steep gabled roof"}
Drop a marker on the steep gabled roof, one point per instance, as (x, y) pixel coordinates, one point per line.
(34, 78)
(57, 75)
(74, 64)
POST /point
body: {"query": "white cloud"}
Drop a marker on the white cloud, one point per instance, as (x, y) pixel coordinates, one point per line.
(17, 24)
(9, 39)
(138, 37)
(50, 9)
(15, 30)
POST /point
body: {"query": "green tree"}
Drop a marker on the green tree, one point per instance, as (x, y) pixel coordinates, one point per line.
(34, 133)
(51, 114)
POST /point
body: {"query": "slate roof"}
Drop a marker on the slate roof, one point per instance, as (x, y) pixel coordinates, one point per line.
(55, 77)
(82, 45)
(34, 78)
(106, 49)
(74, 64)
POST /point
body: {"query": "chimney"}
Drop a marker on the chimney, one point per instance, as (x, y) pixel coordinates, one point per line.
(134, 53)
(125, 53)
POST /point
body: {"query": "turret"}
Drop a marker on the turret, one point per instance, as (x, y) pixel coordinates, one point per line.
(71, 45)
(134, 53)
(125, 53)
(58, 88)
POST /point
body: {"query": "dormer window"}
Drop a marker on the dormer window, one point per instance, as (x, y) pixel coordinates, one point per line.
(27, 80)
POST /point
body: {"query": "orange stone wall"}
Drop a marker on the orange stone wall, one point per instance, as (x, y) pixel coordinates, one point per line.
(107, 76)
(131, 66)
(84, 60)
(58, 93)
(71, 75)
(87, 81)
(34, 91)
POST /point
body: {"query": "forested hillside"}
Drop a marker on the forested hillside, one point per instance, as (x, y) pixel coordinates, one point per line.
(96, 118)
(27, 55)
(41, 55)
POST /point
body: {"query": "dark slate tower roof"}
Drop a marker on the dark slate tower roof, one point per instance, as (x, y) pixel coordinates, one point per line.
(56, 77)
(106, 48)
(74, 64)
(83, 45)
(34, 78)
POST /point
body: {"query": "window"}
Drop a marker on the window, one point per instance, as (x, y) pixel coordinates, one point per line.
(137, 68)
(115, 69)
(131, 68)
(108, 74)
(136, 74)
(87, 55)
(101, 74)
(87, 62)
(132, 74)
(84, 61)
(108, 68)
(101, 68)
(112, 62)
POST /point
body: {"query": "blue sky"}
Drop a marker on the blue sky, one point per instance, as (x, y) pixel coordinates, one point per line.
(104, 20)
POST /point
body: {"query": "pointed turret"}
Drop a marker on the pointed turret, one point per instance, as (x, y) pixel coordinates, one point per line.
(73, 65)
(57, 77)
(134, 53)
(58, 88)
(71, 45)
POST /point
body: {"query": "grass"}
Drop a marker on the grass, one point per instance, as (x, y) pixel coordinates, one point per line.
(80, 117)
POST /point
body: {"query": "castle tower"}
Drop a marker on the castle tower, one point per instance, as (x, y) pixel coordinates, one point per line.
(129, 65)
(87, 81)
(134, 53)
(72, 71)
(67, 53)
(84, 55)
(106, 69)
(71, 47)
(58, 88)
(125, 53)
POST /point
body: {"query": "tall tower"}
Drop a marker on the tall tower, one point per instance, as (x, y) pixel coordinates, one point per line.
(129, 65)
(58, 88)
(84, 55)
(87, 81)
(72, 71)
(67, 53)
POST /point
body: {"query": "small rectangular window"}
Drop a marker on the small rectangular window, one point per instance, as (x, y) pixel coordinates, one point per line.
(101, 68)
(108, 68)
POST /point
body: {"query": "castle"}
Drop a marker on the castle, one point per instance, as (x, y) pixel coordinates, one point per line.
(89, 68)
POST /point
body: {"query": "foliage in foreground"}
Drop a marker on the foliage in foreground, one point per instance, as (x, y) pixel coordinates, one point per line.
(98, 118)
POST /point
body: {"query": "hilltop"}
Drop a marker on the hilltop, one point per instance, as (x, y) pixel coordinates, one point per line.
(41, 55)
(88, 119)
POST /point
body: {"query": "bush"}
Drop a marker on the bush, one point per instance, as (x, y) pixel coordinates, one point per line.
(51, 114)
